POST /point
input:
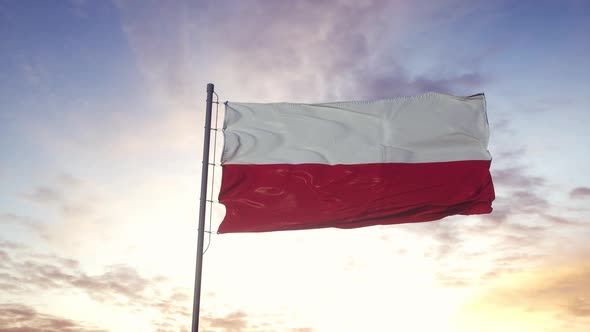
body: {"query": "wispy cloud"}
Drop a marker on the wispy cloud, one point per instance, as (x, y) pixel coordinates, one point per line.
(517, 192)
(67, 197)
(232, 322)
(24, 272)
(23, 318)
(239, 321)
(308, 51)
(580, 192)
(398, 84)
(44, 195)
(67, 204)
(30, 224)
(560, 290)
(69, 181)
(35, 272)
(516, 177)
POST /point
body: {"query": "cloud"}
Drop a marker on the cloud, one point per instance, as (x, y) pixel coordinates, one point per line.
(117, 282)
(517, 177)
(580, 192)
(240, 321)
(10, 245)
(560, 291)
(560, 221)
(69, 181)
(517, 193)
(519, 243)
(69, 205)
(22, 318)
(37, 272)
(29, 223)
(305, 51)
(232, 322)
(528, 201)
(503, 126)
(448, 237)
(24, 272)
(63, 194)
(44, 195)
(399, 84)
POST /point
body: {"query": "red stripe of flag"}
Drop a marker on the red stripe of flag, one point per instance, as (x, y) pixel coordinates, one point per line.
(273, 197)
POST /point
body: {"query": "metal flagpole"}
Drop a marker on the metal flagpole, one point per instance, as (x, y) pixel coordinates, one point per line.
(202, 210)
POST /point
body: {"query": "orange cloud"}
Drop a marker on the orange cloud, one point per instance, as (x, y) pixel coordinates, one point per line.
(550, 298)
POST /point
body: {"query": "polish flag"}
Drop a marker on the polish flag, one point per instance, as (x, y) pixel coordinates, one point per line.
(354, 164)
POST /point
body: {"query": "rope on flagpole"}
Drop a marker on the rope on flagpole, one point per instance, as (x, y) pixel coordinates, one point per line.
(215, 129)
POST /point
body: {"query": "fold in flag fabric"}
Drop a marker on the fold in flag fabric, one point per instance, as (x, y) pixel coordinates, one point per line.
(354, 164)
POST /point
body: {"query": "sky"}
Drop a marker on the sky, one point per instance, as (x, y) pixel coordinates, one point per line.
(101, 136)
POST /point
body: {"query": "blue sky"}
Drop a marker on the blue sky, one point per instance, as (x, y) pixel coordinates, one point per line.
(101, 116)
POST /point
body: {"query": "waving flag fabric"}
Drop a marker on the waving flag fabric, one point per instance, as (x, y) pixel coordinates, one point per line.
(353, 164)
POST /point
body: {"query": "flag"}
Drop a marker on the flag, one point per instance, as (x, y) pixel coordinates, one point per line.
(353, 164)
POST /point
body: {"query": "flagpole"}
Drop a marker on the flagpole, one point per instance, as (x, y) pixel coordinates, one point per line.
(202, 209)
